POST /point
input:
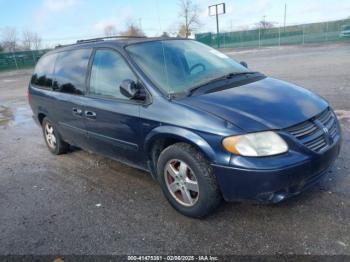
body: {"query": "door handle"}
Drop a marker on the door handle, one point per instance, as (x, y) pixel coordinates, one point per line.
(77, 111)
(90, 114)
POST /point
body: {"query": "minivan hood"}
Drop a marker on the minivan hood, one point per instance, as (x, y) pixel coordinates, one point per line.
(261, 105)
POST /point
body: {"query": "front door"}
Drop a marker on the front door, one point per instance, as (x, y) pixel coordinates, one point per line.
(112, 120)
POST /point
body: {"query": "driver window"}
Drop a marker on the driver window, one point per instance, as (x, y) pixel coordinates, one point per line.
(108, 71)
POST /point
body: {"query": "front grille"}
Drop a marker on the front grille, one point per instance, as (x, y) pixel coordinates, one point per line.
(317, 133)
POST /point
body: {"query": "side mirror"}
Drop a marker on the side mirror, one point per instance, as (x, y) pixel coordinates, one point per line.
(129, 88)
(244, 64)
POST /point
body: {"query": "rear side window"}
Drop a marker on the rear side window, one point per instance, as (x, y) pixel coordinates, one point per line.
(108, 71)
(43, 73)
(70, 71)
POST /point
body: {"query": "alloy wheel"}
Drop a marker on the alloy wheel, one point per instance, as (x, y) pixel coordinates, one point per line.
(181, 182)
(50, 135)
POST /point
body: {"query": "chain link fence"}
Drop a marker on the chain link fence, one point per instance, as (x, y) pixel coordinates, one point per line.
(289, 35)
(20, 60)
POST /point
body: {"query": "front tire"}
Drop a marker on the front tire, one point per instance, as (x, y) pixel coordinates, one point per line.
(52, 138)
(187, 181)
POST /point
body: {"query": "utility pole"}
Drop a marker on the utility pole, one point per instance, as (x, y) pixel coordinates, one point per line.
(262, 29)
(217, 26)
(285, 17)
(279, 36)
(217, 10)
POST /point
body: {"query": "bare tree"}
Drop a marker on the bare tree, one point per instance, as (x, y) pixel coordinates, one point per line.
(133, 30)
(182, 32)
(31, 40)
(9, 36)
(265, 24)
(189, 12)
(165, 34)
(36, 41)
(110, 30)
(27, 39)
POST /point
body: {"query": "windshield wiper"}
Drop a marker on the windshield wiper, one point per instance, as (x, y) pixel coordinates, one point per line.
(224, 77)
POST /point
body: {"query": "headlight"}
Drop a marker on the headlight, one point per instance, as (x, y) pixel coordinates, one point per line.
(256, 144)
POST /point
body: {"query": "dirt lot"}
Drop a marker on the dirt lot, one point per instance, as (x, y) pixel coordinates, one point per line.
(81, 203)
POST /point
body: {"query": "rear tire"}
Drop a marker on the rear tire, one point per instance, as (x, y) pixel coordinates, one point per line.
(53, 139)
(187, 181)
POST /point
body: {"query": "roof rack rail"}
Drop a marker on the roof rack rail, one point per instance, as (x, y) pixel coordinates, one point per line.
(59, 46)
(107, 37)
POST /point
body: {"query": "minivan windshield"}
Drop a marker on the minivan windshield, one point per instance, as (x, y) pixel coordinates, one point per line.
(176, 66)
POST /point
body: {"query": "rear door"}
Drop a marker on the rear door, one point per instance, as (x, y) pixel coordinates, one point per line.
(70, 84)
(112, 120)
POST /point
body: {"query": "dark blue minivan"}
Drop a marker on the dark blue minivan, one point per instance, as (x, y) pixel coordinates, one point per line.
(206, 127)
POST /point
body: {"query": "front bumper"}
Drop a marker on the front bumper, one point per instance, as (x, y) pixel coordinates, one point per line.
(274, 185)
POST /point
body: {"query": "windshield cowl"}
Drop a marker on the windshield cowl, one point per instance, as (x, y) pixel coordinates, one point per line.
(226, 77)
(219, 85)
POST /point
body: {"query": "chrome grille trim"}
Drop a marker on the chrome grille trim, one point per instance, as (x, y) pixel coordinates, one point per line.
(317, 133)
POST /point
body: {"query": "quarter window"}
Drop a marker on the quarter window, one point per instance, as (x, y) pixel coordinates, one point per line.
(43, 73)
(108, 71)
(70, 71)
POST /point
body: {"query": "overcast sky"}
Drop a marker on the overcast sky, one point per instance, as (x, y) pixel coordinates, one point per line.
(59, 20)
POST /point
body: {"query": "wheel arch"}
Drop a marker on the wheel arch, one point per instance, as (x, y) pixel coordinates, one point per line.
(41, 113)
(41, 117)
(161, 137)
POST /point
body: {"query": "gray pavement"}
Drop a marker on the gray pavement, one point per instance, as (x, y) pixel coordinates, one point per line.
(82, 203)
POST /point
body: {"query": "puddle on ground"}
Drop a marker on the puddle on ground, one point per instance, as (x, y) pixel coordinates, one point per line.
(344, 117)
(9, 80)
(342, 114)
(5, 115)
(20, 115)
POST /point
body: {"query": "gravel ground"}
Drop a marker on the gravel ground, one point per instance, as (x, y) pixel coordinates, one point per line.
(82, 203)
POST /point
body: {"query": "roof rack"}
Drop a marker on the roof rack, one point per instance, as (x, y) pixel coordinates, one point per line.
(99, 39)
(59, 46)
(107, 37)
